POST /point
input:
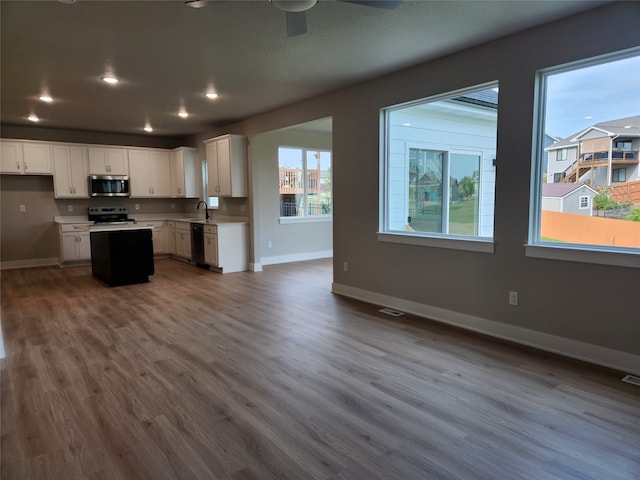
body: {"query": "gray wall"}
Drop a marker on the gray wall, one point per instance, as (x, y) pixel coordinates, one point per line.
(554, 297)
(82, 136)
(303, 240)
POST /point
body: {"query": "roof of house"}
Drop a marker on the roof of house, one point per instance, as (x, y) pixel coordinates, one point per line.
(562, 189)
(628, 127)
(486, 98)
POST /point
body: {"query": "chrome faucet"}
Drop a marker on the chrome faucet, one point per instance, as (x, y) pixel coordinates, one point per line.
(206, 209)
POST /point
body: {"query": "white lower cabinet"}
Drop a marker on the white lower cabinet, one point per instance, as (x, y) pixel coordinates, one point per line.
(158, 235)
(211, 245)
(182, 232)
(171, 238)
(226, 246)
(75, 243)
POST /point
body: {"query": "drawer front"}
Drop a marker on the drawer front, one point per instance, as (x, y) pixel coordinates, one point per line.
(186, 226)
(210, 229)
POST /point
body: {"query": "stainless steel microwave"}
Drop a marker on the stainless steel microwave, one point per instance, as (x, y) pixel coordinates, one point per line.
(109, 185)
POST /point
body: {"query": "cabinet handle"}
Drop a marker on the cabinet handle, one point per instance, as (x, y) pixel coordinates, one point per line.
(18, 166)
(25, 166)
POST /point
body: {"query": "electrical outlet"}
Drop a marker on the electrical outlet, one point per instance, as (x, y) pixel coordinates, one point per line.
(69, 208)
(23, 208)
(269, 244)
(173, 206)
(513, 298)
(137, 206)
(345, 266)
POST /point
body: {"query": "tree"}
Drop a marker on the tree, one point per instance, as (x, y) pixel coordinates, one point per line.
(468, 186)
(603, 201)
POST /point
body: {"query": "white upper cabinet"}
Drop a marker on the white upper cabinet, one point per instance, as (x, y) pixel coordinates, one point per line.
(149, 173)
(227, 166)
(108, 161)
(26, 158)
(184, 173)
(70, 172)
(11, 159)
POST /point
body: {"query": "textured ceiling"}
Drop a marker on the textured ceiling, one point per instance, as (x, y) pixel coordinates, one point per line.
(167, 55)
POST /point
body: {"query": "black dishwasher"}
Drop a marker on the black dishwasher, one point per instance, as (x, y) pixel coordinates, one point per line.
(197, 245)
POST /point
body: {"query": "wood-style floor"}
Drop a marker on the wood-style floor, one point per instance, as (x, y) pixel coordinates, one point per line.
(258, 376)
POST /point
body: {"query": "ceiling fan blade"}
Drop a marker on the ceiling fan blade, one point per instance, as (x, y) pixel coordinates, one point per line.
(197, 3)
(296, 23)
(386, 4)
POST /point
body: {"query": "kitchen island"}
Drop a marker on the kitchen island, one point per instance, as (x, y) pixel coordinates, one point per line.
(122, 255)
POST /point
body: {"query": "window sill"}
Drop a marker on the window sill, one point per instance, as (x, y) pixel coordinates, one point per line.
(475, 244)
(314, 219)
(581, 254)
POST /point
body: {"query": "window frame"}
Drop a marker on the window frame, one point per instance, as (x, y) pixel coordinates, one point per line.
(305, 218)
(535, 247)
(562, 155)
(474, 243)
(584, 200)
(615, 174)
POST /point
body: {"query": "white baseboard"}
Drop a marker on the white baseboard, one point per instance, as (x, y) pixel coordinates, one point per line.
(296, 257)
(255, 267)
(35, 262)
(606, 357)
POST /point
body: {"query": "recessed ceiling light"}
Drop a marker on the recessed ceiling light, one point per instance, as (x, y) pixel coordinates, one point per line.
(33, 118)
(211, 95)
(406, 124)
(110, 80)
(147, 128)
(627, 126)
(183, 114)
(46, 98)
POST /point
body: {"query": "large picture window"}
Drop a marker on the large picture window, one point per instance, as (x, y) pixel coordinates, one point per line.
(439, 167)
(591, 108)
(305, 182)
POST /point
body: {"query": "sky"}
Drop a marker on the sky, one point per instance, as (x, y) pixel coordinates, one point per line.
(579, 98)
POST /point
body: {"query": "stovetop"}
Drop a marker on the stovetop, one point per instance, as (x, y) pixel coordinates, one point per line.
(109, 215)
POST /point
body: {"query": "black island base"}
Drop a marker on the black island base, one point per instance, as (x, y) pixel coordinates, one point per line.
(122, 257)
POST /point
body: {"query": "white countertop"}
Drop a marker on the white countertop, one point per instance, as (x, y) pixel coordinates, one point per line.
(151, 217)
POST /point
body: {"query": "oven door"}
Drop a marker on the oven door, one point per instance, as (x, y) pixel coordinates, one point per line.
(109, 185)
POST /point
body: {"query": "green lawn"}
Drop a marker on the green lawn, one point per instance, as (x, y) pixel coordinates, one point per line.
(462, 218)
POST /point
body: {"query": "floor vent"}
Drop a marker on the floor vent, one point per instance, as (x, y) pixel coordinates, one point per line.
(391, 311)
(632, 379)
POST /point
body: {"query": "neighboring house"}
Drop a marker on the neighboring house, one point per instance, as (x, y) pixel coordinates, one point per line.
(574, 198)
(605, 153)
(425, 140)
(547, 141)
